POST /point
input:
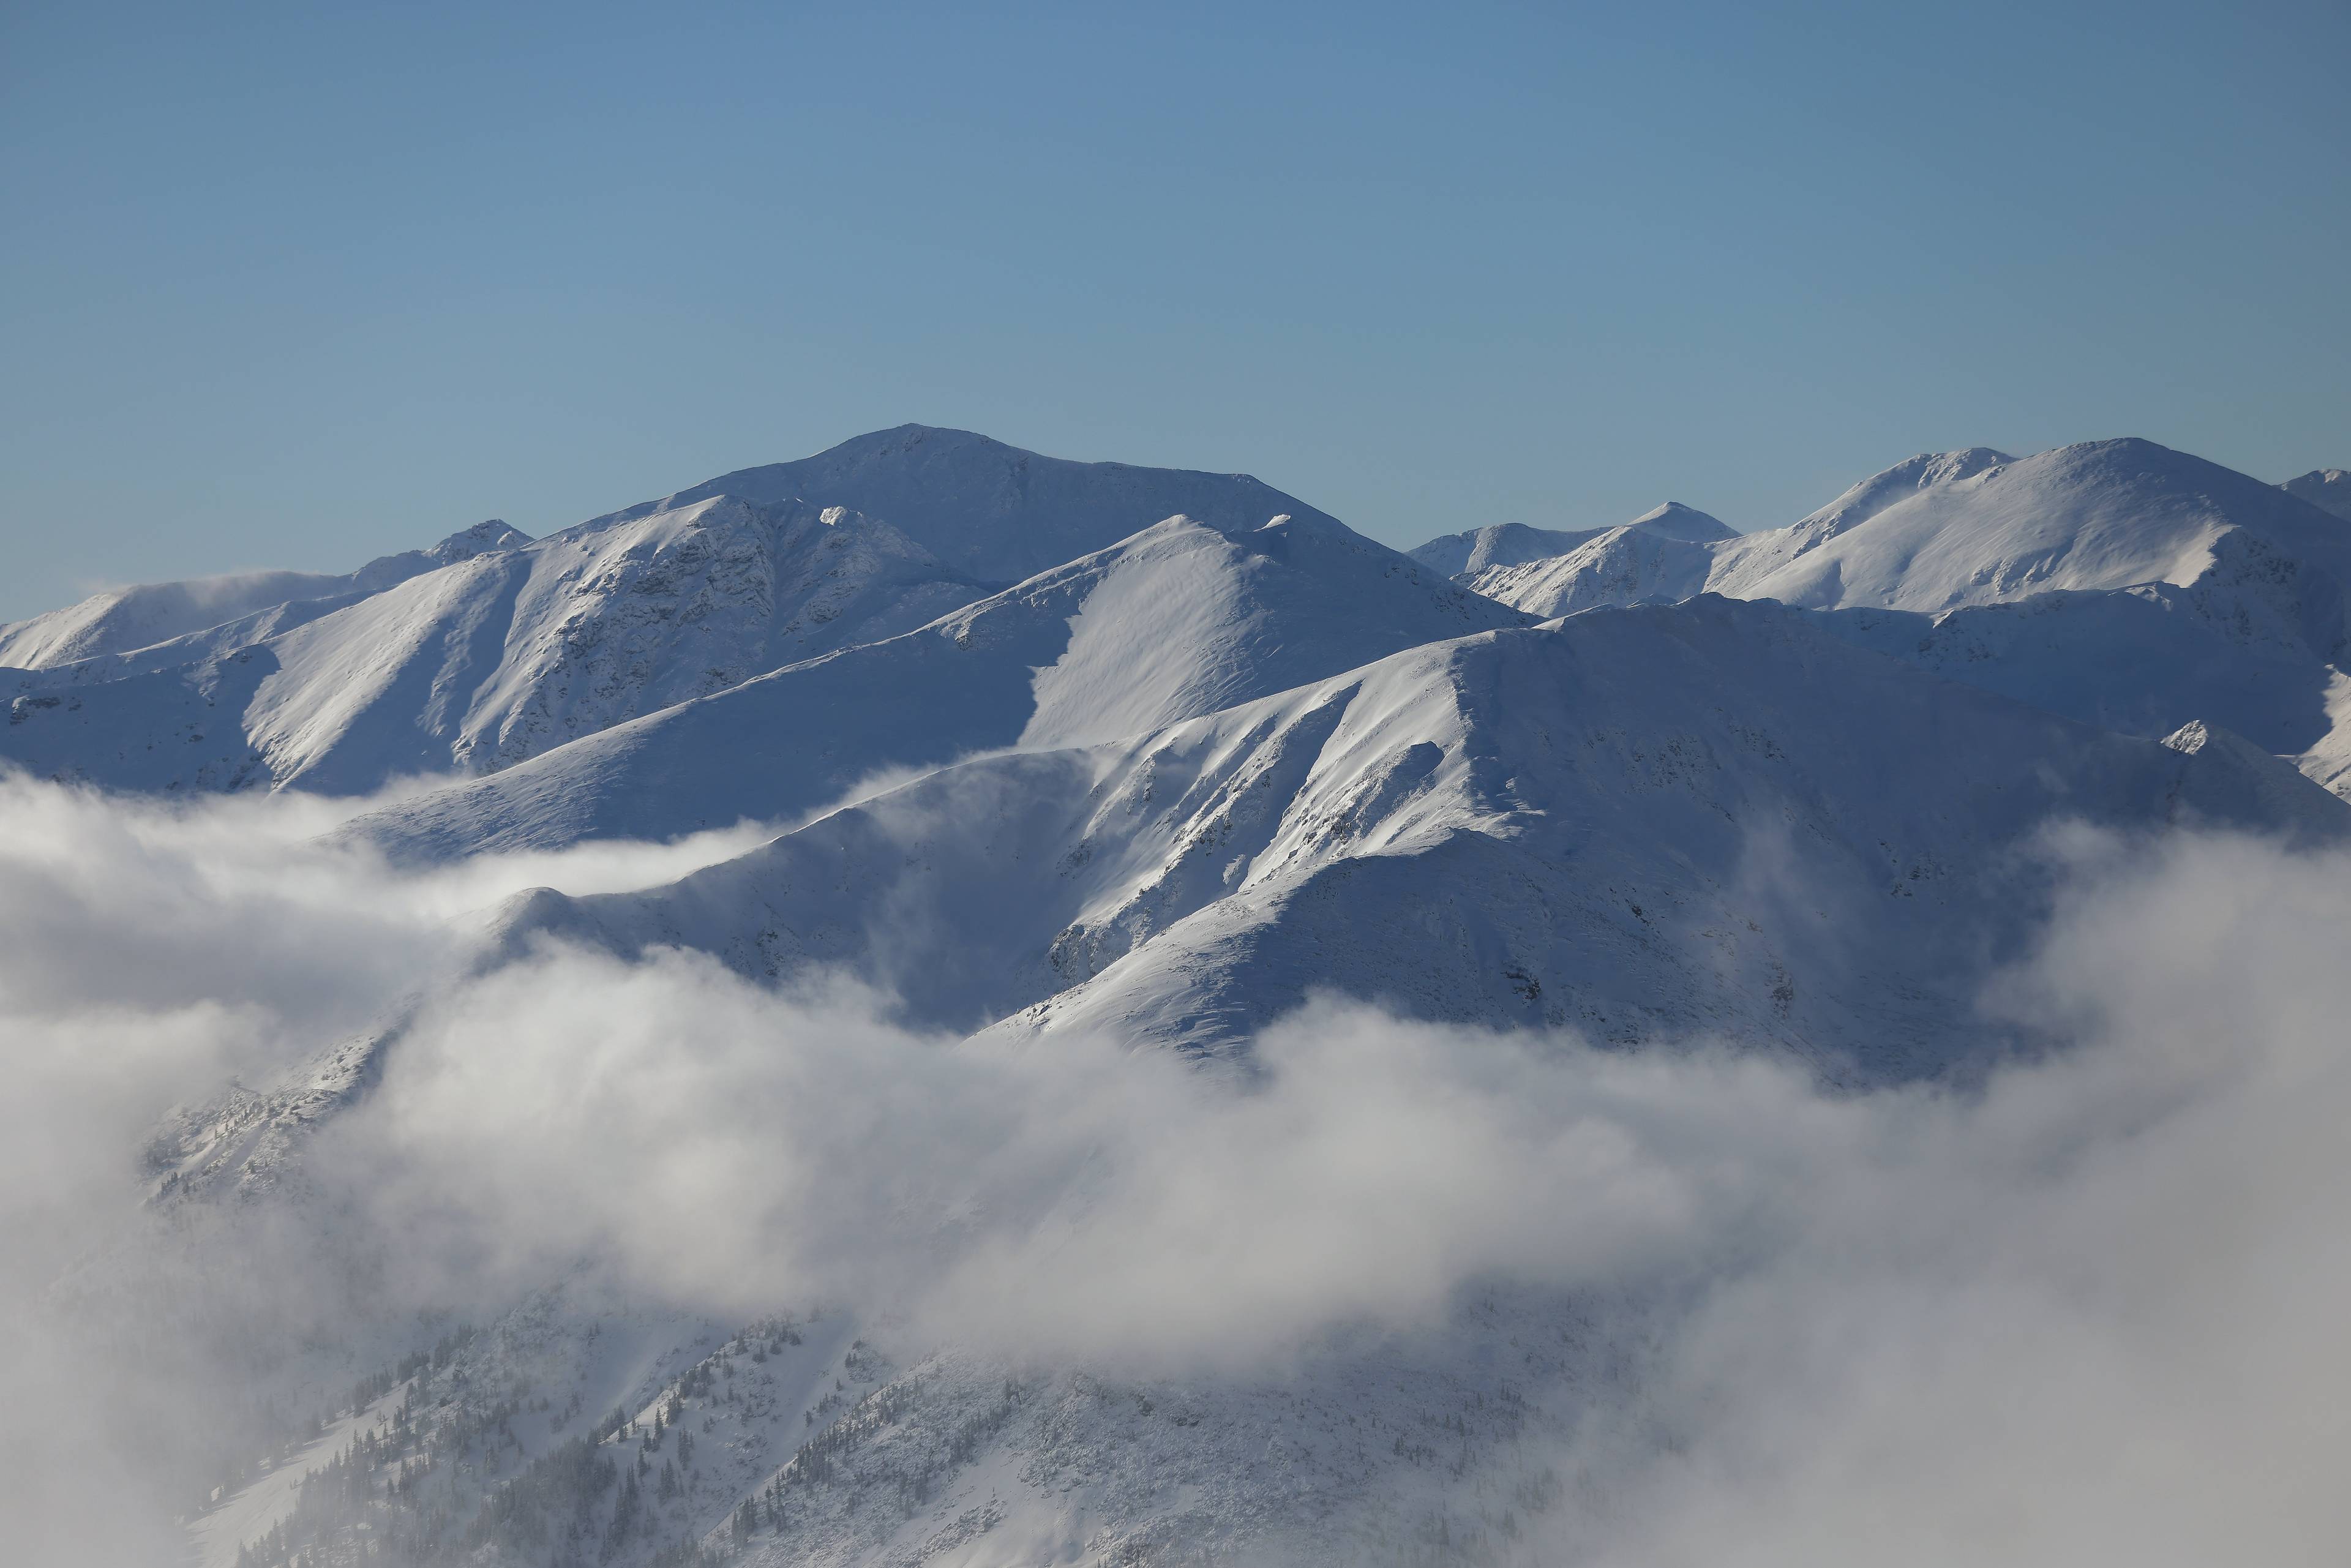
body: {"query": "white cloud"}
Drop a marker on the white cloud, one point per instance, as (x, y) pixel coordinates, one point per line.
(2090, 1315)
(149, 955)
(2085, 1311)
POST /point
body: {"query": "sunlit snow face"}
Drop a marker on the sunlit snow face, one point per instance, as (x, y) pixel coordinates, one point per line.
(2090, 1304)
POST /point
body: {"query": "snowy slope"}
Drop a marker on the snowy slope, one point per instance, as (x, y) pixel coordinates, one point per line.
(1713, 819)
(993, 511)
(480, 664)
(1513, 544)
(1182, 619)
(2104, 515)
(123, 619)
(1188, 770)
(1672, 520)
(1764, 552)
(2118, 582)
(1622, 571)
(2328, 489)
(2128, 660)
(1620, 567)
(1625, 822)
(341, 685)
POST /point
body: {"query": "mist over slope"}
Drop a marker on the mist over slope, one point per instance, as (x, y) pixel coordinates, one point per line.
(1581, 826)
(953, 1016)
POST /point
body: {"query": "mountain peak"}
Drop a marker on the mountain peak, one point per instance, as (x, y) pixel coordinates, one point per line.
(1888, 485)
(992, 510)
(484, 537)
(1501, 545)
(2328, 489)
(1674, 521)
(2096, 515)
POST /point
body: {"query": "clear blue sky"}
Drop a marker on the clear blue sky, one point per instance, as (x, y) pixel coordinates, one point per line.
(294, 286)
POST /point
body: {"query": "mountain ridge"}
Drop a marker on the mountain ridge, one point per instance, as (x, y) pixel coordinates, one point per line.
(1060, 659)
(1514, 544)
(1148, 806)
(1034, 512)
(125, 619)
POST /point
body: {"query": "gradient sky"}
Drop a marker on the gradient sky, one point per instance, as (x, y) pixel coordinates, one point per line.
(296, 286)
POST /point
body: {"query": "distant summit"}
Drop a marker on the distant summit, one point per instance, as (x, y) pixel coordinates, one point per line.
(1889, 486)
(2328, 489)
(1501, 545)
(1674, 521)
(992, 510)
(482, 539)
(1978, 527)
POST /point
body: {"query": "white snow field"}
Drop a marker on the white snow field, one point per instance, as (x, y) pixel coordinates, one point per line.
(1192, 965)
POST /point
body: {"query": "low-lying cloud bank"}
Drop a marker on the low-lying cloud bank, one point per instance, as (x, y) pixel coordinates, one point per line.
(2091, 1315)
(2086, 1311)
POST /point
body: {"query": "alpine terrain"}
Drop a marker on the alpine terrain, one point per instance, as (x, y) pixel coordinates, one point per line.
(931, 1004)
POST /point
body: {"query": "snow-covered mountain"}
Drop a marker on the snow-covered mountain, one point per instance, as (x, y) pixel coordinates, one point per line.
(1547, 826)
(2023, 566)
(1944, 530)
(481, 664)
(1513, 544)
(2117, 582)
(2104, 515)
(490, 650)
(994, 512)
(255, 604)
(1063, 757)
(2328, 489)
(1182, 619)
(1888, 487)
(1713, 819)
(1620, 567)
